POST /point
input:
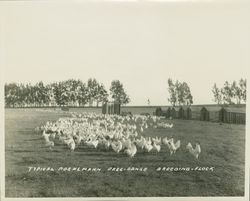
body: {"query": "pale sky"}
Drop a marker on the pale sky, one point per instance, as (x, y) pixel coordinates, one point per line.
(140, 43)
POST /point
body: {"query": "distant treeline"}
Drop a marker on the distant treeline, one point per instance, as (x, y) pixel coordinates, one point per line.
(75, 93)
(71, 92)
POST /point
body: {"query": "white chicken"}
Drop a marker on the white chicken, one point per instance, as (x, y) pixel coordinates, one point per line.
(48, 143)
(106, 143)
(156, 146)
(165, 140)
(194, 151)
(131, 151)
(170, 125)
(116, 146)
(173, 146)
(70, 143)
(157, 140)
(46, 136)
(148, 145)
(92, 142)
(78, 140)
(125, 142)
(53, 135)
(141, 142)
(141, 129)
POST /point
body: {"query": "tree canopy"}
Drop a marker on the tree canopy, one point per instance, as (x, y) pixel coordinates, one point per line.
(230, 93)
(118, 93)
(179, 92)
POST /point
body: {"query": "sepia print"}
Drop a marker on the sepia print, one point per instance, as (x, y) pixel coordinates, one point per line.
(130, 99)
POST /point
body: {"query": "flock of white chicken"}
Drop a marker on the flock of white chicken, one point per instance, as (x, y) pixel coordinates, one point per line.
(111, 132)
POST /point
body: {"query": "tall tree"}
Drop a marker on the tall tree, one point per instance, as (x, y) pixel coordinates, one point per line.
(92, 86)
(243, 88)
(188, 98)
(179, 93)
(61, 92)
(227, 93)
(217, 94)
(172, 92)
(118, 93)
(50, 90)
(10, 94)
(42, 94)
(236, 92)
(82, 94)
(102, 94)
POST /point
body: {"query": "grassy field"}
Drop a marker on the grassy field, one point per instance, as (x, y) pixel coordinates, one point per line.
(223, 148)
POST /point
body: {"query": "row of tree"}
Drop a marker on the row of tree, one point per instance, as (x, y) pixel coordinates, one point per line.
(65, 93)
(230, 93)
(76, 93)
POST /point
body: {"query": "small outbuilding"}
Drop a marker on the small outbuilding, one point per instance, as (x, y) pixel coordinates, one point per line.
(158, 111)
(195, 112)
(166, 112)
(187, 113)
(234, 115)
(181, 112)
(211, 113)
(111, 108)
(174, 112)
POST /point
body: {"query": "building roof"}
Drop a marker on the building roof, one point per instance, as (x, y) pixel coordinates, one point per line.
(185, 107)
(213, 108)
(176, 108)
(235, 109)
(196, 108)
(165, 107)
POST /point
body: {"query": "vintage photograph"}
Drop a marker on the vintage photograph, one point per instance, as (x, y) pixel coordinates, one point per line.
(124, 99)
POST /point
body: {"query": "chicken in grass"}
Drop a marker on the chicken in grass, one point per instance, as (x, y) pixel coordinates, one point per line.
(131, 151)
(46, 136)
(173, 147)
(125, 143)
(106, 143)
(156, 147)
(156, 140)
(78, 140)
(156, 144)
(70, 143)
(148, 145)
(141, 142)
(48, 143)
(194, 151)
(165, 140)
(92, 142)
(116, 146)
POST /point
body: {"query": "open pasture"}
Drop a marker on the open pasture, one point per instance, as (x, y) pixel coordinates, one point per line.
(223, 147)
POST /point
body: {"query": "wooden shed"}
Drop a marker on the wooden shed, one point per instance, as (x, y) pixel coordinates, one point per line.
(158, 111)
(187, 113)
(204, 114)
(174, 112)
(167, 112)
(211, 113)
(181, 113)
(195, 112)
(111, 108)
(234, 115)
